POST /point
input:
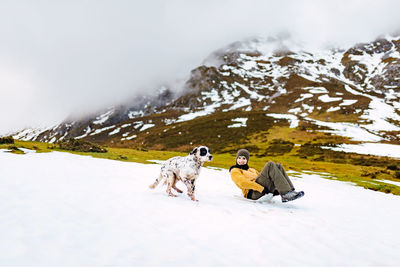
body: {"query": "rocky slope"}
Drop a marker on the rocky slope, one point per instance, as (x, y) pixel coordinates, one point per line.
(251, 88)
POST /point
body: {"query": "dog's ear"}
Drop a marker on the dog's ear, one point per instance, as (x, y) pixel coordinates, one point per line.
(194, 151)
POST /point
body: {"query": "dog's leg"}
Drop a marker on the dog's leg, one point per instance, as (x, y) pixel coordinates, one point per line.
(174, 185)
(170, 182)
(190, 184)
(177, 189)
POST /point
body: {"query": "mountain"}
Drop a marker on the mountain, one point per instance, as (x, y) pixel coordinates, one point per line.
(246, 90)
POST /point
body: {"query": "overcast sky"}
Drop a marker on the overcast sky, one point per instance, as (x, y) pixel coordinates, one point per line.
(59, 57)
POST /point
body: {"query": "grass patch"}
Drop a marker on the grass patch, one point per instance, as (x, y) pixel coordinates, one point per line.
(80, 145)
(211, 130)
(14, 149)
(393, 167)
(6, 140)
(278, 147)
(39, 147)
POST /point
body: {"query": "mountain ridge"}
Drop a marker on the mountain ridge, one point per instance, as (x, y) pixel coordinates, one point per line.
(351, 93)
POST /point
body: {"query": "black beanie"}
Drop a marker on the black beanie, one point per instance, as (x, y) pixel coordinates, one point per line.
(243, 152)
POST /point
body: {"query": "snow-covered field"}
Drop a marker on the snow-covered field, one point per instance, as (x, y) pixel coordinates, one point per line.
(59, 209)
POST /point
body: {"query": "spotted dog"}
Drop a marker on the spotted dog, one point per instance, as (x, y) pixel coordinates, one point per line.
(185, 169)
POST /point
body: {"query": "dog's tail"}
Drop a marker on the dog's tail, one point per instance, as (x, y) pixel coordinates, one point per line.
(156, 182)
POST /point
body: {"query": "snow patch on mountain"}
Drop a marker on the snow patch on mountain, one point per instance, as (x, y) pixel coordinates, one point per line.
(348, 102)
(241, 122)
(104, 117)
(377, 149)
(316, 90)
(146, 126)
(117, 130)
(86, 132)
(353, 131)
(303, 96)
(294, 120)
(207, 110)
(379, 113)
(98, 131)
(333, 109)
(126, 137)
(241, 102)
(30, 134)
(327, 98)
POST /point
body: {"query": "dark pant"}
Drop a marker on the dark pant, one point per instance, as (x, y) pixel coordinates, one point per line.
(274, 179)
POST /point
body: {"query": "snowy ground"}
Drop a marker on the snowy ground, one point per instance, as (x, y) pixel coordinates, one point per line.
(59, 209)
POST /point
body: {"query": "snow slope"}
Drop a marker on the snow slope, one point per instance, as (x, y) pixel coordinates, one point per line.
(59, 209)
(378, 149)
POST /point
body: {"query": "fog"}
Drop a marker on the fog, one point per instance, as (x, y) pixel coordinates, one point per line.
(63, 57)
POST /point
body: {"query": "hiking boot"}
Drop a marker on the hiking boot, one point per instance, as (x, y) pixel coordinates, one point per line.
(291, 195)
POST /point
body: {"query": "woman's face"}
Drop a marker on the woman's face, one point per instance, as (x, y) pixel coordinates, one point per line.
(241, 160)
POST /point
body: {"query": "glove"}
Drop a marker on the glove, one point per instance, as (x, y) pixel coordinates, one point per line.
(265, 191)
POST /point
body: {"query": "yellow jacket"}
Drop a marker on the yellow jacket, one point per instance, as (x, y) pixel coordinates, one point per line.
(245, 180)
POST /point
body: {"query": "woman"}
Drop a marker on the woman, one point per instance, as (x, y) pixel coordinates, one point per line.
(272, 179)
